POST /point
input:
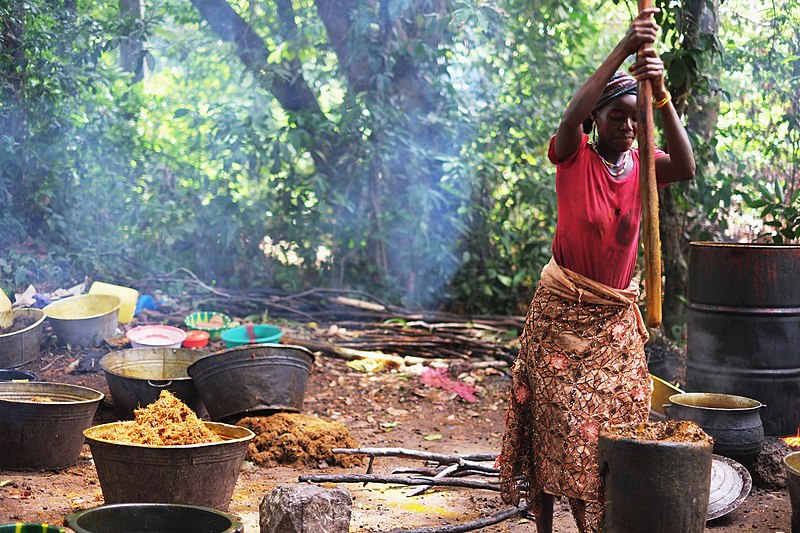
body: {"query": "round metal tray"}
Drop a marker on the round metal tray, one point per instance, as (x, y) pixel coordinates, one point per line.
(730, 485)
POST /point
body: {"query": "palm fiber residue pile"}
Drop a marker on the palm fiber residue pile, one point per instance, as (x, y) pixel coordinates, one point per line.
(20, 322)
(165, 422)
(672, 430)
(296, 438)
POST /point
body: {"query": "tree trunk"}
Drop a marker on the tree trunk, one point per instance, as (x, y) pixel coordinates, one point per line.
(131, 50)
(698, 98)
(291, 91)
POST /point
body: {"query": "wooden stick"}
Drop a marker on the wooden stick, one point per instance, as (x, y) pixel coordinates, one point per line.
(443, 474)
(398, 480)
(647, 178)
(416, 454)
(345, 353)
(431, 471)
(352, 302)
(472, 525)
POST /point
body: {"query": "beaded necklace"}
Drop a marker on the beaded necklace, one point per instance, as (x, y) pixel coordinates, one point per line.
(615, 170)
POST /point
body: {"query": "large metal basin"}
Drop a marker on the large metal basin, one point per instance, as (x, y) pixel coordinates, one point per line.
(252, 379)
(194, 474)
(41, 424)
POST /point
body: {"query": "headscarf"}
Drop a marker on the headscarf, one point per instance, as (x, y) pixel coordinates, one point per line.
(620, 83)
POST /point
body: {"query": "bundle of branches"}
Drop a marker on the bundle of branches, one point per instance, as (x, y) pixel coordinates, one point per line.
(448, 340)
(441, 470)
(366, 325)
(323, 306)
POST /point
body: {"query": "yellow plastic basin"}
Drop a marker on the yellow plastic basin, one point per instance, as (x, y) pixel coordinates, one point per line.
(81, 307)
(662, 390)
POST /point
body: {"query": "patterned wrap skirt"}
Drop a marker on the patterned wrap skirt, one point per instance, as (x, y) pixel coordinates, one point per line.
(581, 367)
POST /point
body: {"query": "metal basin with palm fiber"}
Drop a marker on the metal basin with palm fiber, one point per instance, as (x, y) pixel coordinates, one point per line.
(192, 474)
(252, 379)
(22, 346)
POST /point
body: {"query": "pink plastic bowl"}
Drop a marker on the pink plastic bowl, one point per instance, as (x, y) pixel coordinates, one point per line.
(156, 335)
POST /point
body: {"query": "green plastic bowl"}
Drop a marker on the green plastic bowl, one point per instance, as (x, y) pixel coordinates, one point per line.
(194, 319)
(264, 334)
(30, 528)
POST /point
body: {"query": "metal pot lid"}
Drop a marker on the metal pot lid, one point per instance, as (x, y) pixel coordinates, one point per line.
(730, 485)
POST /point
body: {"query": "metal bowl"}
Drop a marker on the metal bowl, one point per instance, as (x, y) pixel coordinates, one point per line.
(85, 320)
(41, 424)
(20, 347)
(165, 518)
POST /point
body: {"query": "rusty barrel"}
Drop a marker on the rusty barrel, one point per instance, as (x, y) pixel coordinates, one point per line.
(744, 327)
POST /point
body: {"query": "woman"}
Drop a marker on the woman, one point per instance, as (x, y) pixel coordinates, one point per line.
(581, 365)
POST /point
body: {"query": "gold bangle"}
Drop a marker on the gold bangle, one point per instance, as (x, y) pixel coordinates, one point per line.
(664, 101)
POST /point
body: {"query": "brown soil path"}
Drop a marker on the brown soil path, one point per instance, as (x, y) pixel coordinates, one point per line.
(386, 409)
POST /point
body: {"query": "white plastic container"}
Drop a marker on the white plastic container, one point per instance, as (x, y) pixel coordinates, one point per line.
(156, 335)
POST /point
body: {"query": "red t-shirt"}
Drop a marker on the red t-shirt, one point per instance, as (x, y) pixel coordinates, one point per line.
(597, 231)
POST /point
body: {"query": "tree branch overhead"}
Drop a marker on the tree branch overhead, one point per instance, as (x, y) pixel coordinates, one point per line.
(293, 93)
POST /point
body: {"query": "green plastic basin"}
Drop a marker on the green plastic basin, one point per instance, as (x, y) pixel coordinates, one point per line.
(264, 334)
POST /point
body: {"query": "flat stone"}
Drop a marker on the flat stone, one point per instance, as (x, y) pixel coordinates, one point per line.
(304, 508)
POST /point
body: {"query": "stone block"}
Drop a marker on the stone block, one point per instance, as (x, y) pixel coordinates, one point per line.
(305, 509)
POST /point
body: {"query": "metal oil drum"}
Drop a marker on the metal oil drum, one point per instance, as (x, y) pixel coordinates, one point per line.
(744, 327)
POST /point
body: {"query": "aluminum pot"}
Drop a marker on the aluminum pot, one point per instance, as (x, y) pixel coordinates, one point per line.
(161, 517)
(733, 421)
(136, 377)
(41, 424)
(251, 379)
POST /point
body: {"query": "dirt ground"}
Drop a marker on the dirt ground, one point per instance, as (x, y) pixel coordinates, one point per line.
(383, 409)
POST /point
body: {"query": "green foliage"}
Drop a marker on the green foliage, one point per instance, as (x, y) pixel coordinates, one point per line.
(764, 118)
(54, 103)
(422, 176)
